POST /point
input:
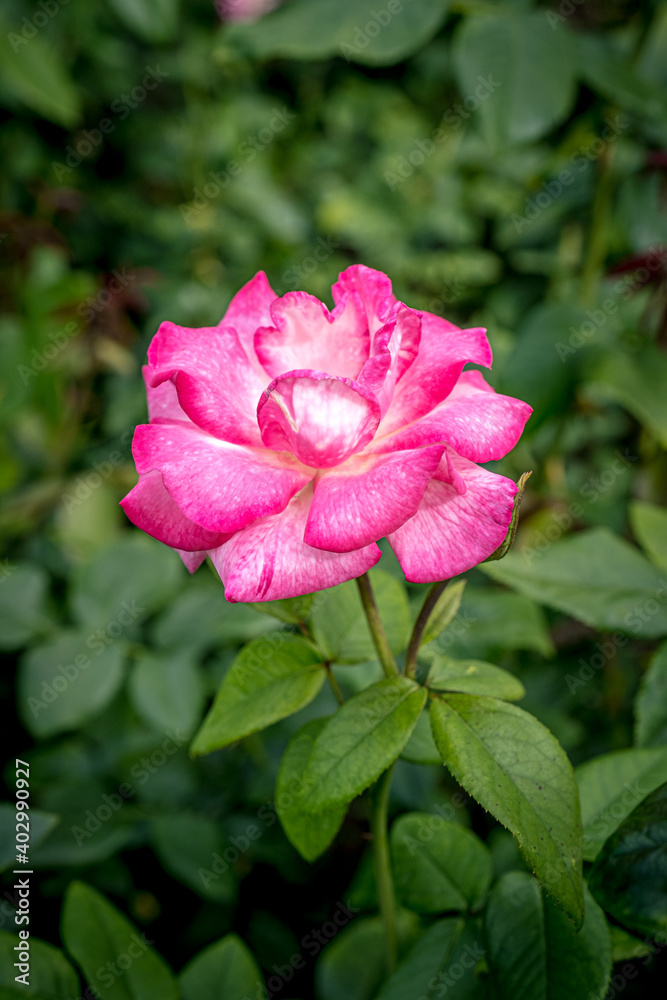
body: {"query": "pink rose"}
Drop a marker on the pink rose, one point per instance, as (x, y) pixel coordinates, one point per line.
(244, 10)
(287, 440)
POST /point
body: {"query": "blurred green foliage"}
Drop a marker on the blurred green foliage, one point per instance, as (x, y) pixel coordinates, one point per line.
(504, 164)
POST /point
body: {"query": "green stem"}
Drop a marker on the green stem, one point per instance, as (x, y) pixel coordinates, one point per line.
(335, 686)
(378, 633)
(382, 866)
(425, 613)
(597, 238)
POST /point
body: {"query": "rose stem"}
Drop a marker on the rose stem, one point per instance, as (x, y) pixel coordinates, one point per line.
(375, 625)
(417, 632)
(382, 866)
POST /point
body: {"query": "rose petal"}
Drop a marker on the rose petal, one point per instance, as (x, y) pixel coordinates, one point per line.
(322, 419)
(249, 309)
(219, 486)
(452, 532)
(373, 289)
(304, 334)
(474, 419)
(368, 497)
(192, 560)
(217, 385)
(443, 352)
(150, 507)
(162, 400)
(269, 560)
(395, 347)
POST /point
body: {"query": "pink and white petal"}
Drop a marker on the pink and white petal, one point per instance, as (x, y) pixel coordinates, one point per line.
(150, 507)
(217, 386)
(478, 422)
(269, 560)
(373, 289)
(162, 400)
(452, 532)
(443, 352)
(304, 334)
(368, 497)
(192, 560)
(395, 347)
(219, 486)
(322, 419)
(249, 309)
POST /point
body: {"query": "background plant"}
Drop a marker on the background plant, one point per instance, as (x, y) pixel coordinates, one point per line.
(532, 207)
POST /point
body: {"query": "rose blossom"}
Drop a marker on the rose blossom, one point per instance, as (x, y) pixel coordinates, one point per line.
(287, 440)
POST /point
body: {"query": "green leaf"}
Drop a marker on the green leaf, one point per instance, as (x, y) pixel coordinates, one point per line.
(23, 609)
(637, 382)
(534, 953)
(35, 73)
(651, 702)
(444, 611)
(353, 965)
(51, 977)
(629, 877)
(292, 610)
(530, 69)
(125, 583)
(67, 681)
(535, 370)
(649, 525)
(168, 691)
(624, 946)
(225, 970)
(421, 748)
(491, 623)
(151, 20)
(271, 678)
(340, 627)
(596, 577)
(448, 944)
(360, 741)
(512, 765)
(345, 28)
(438, 865)
(611, 786)
(201, 618)
(508, 541)
(611, 75)
(187, 846)
(41, 824)
(96, 933)
(473, 677)
(310, 838)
